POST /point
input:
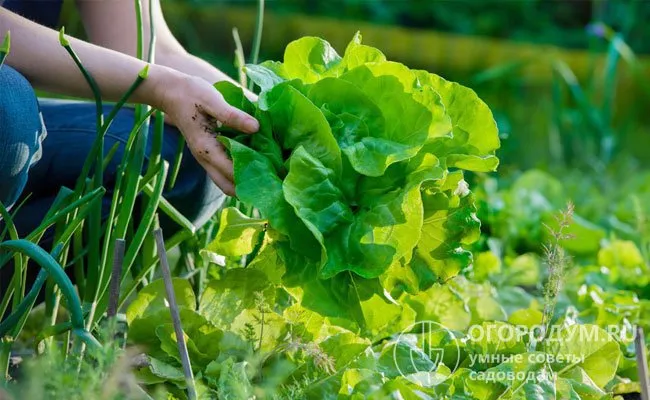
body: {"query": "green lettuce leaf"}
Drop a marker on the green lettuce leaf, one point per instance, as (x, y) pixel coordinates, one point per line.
(587, 347)
(237, 235)
(351, 169)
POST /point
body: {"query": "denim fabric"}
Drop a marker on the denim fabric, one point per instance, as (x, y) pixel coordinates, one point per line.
(21, 133)
(71, 130)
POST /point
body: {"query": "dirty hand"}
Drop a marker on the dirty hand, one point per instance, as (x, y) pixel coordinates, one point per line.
(196, 109)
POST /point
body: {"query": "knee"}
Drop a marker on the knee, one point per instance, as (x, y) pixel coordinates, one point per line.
(20, 131)
(18, 104)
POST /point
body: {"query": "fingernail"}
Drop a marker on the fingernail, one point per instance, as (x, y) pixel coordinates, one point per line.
(251, 125)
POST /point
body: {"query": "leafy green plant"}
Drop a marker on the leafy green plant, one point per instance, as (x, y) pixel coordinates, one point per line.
(238, 344)
(356, 170)
(245, 341)
(272, 346)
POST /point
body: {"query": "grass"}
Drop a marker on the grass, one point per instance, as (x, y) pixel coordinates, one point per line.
(103, 372)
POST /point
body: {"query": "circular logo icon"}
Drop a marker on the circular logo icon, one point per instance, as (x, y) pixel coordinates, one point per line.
(422, 348)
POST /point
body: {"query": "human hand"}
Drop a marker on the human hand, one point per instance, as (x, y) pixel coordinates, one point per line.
(196, 109)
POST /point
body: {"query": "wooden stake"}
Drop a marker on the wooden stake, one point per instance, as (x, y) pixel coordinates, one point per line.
(116, 277)
(176, 317)
(642, 363)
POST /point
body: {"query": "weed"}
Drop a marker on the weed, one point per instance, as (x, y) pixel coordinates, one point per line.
(556, 261)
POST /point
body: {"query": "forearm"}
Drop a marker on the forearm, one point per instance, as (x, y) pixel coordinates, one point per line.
(112, 24)
(187, 63)
(190, 64)
(37, 54)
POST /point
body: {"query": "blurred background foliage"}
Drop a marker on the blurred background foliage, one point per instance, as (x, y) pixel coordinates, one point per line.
(551, 22)
(561, 94)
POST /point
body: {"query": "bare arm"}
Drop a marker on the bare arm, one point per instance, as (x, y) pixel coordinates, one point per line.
(112, 24)
(37, 54)
(191, 102)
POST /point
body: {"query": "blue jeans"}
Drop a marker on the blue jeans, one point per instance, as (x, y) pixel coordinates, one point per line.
(44, 143)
